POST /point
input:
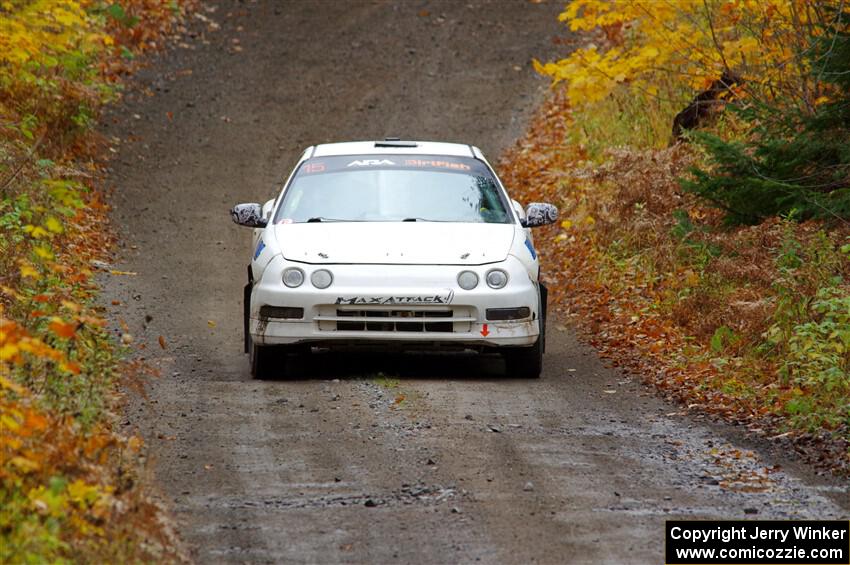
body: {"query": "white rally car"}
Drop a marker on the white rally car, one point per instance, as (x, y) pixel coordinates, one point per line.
(394, 244)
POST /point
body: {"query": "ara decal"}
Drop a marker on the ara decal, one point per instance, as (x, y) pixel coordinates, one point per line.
(530, 248)
(260, 247)
(370, 162)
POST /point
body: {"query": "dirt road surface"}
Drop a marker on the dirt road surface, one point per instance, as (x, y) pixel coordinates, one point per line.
(583, 466)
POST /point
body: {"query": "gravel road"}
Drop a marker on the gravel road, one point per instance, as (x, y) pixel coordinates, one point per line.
(382, 459)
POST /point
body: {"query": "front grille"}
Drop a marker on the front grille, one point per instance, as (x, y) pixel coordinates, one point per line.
(389, 320)
(393, 321)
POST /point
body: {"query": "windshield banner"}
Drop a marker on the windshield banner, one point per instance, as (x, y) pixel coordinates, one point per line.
(322, 165)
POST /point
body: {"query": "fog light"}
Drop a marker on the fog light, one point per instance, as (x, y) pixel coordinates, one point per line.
(321, 278)
(284, 312)
(293, 277)
(497, 314)
(467, 280)
(497, 278)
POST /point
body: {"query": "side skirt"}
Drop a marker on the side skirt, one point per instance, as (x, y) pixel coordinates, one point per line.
(544, 305)
(246, 307)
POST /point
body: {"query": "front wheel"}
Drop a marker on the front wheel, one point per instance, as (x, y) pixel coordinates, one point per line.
(525, 362)
(267, 361)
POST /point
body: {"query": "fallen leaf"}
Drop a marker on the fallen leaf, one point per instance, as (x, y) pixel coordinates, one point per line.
(162, 342)
(62, 328)
(134, 444)
(53, 225)
(43, 252)
(28, 271)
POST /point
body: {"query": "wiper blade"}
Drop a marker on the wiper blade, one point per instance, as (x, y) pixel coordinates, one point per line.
(321, 219)
(317, 219)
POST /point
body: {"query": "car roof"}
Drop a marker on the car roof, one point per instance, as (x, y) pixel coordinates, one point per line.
(394, 146)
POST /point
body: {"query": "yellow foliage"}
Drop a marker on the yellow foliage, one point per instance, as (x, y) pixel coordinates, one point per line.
(60, 62)
(15, 341)
(24, 465)
(28, 271)
(38, 31)
(53, 225)
(36, 232)
(11, 385)
(43, 252)
(84, 495)
(637, 42)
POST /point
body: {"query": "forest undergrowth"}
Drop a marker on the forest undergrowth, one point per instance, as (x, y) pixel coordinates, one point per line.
(700, 161)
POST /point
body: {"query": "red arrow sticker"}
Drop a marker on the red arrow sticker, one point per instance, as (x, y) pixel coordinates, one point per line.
(484, 331)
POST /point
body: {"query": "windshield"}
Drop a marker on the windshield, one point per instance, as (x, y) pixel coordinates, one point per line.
(392, 188)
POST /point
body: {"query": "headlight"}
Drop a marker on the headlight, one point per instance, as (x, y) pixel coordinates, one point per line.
(293, 277)
(321, 278)
(496, 278)
(467, 280)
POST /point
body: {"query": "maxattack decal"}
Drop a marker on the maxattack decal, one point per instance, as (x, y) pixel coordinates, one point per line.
(393, 300)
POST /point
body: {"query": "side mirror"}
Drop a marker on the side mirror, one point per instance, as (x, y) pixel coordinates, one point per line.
(540, 214)
(249, 215)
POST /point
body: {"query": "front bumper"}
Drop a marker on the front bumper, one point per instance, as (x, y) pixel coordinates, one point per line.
(415, 306)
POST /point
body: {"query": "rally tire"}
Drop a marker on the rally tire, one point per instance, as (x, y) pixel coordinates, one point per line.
(527, 362)
(524, 362)
(267, 361)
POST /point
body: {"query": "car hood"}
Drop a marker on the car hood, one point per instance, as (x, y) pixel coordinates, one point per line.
(409, 243)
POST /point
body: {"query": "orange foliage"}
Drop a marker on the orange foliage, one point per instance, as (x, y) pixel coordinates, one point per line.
(65, 489)
(613, 264)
